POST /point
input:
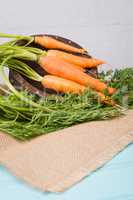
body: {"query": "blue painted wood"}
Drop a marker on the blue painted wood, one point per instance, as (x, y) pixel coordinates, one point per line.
(112, 182)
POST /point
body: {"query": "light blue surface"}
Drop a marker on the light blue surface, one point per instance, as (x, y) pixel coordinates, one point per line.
(112, 182)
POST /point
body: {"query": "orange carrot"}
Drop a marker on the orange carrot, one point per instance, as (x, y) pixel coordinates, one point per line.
(106, 99)
(62, 85)
(63, 69)
(51, 43)
(66, 86)
(78, 67)
(77, 60)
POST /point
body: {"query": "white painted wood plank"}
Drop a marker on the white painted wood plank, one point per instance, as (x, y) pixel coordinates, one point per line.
(104, 27)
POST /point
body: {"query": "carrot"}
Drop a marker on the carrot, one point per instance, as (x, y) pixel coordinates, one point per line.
(77, 60)
(45, 41)
(51, 43)
(63, 69)
(106, 99)
(78, 67)
(66, 86)
(62, 85)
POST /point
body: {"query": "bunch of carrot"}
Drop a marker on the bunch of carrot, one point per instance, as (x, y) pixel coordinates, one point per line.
(66, 70)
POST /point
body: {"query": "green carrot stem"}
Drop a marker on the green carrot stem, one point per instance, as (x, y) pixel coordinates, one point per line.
(18, 37)
(18, 94)
(24, 69)
(4, 90)
(21, 52)
(7, 82)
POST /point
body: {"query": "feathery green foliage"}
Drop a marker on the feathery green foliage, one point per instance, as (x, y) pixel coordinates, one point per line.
(122, 80)
(24, 122)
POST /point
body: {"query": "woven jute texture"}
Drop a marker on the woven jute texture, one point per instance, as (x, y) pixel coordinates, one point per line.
(56, 161)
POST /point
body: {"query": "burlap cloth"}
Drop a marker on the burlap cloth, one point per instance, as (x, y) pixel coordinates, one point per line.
(56, 161)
